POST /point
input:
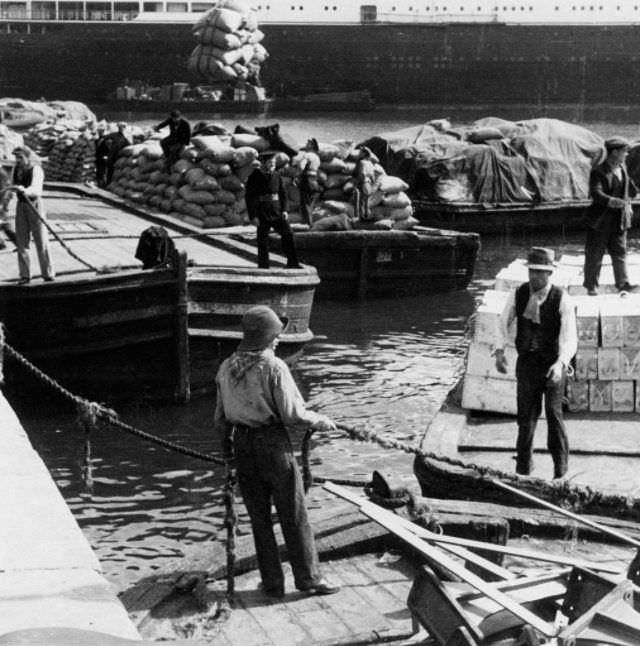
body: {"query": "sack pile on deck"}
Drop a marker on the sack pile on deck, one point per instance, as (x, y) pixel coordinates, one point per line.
(205, 187)
(389, 205)
(229, 48)
(9, 139)
(492, 160)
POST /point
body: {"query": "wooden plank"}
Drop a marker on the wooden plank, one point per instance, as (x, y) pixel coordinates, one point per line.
(436, 555)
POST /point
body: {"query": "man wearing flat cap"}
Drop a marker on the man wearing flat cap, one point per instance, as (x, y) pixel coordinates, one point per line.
(546, 341)
(266, 199)
(609, 216)
(257, 403)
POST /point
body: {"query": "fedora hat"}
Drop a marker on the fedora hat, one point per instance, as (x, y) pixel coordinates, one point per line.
(541, 258)
(616, 142)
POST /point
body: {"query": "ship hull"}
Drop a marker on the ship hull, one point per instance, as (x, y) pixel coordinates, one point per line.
(571, 70)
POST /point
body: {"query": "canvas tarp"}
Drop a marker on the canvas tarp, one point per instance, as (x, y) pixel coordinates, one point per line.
(492, 160)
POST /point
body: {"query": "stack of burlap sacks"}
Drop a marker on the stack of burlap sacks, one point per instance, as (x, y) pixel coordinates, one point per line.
(389, 205)
(9, 139)
(607, 363)
(229, 48)
(205, 187)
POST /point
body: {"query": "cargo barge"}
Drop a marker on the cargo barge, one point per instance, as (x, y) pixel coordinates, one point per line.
(563, 60)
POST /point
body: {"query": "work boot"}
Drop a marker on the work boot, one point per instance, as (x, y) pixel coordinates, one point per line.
(560, 469)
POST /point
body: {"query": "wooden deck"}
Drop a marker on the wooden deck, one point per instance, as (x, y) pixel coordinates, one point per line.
(105, 236)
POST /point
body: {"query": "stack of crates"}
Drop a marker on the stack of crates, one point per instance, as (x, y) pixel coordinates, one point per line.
(607, 364)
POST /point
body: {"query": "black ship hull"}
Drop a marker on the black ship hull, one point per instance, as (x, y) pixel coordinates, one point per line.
(569, 71)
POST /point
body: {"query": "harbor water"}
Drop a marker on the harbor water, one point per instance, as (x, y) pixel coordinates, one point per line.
(384, 365)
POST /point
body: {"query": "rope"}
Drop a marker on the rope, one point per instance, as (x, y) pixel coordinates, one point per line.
(65, 246)
(108, 415)
(231, 518)
(2, 346)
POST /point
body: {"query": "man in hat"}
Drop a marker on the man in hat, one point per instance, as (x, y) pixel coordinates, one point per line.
(546, 341)
(307, 162)
(179, 136)
(27, 184)
(609, 216)
(257, 402)
(266, 199)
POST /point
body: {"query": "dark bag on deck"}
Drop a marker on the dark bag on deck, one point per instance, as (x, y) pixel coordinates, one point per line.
(155, 248)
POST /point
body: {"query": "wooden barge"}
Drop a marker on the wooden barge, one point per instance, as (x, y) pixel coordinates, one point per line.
(118, 329)
(367, 263)
(505, 219)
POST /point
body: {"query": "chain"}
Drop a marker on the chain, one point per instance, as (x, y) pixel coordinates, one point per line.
(108, 415)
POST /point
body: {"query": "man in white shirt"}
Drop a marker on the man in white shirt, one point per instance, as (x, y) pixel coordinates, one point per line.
(546, 341)
(27, 184)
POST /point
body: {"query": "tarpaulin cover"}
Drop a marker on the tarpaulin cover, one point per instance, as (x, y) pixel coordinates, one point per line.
(492, 160)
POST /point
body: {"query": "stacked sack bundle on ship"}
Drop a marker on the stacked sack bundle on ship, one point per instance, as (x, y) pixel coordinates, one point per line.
(205, 187)
(229, 48)
(389, 206)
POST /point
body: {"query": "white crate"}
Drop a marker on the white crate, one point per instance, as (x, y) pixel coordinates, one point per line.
(600, 396)
(622, 396)
(587, 320)
(586, 363)
(481, 361)
(486, 325)
(630, 363)
(608, 364)
(577, 396)
(612, 309)
(630, 305)
(485, 393)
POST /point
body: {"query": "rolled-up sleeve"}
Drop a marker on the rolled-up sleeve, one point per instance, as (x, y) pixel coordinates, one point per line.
(568, 336)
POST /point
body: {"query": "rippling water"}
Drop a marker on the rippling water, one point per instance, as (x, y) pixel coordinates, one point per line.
(384, 364)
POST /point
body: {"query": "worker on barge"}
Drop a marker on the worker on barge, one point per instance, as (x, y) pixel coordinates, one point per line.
(179, 137)
(27, 184)
(546, 341)
(257, 403)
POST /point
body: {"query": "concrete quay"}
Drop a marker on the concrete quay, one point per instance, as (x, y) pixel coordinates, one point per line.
(49, 575)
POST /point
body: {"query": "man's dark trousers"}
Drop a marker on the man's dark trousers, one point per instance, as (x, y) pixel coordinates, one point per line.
(532, 385)
(609, 237)
(267, 470)
(282, 227)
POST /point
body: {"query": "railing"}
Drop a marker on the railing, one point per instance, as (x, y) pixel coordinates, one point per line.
(67, 14)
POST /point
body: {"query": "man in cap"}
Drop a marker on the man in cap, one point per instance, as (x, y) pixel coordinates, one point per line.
(257, 402)
(307, 162)
(108, 148)
(266, 199)
(27, 184)
(179, 136)
(546, 341)
(609, 216)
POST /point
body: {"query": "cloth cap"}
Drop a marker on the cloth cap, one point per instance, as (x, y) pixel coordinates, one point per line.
(122, 124)
(541, 258)
(175, 114)
(260, 325)
(616, 142)
(21, 150)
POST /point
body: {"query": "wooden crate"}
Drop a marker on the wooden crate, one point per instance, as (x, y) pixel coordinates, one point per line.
(577, 396)
(630, 305)
(622, 396)
(608, 364)
(587, 320)
(481, 361)
(487, 317)
(600, 396)
(630, 363)
(486, 393)
(612, 310)
(586, 363)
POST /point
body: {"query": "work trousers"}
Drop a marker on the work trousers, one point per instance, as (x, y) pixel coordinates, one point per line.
(309, 191)
(171, 149)
(282, 227)
(28, 223)
(532, 385)
(610, 238)
(101, 171)
(267, 471)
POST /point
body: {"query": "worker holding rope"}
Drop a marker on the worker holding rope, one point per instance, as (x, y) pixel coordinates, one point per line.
(257, 401)
(27, 184)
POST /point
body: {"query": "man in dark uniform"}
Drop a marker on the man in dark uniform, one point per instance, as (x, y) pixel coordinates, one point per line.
(117, 141)
(102, 155)
(546, 341)
(179, 136)
(609, 216)
(266, 200)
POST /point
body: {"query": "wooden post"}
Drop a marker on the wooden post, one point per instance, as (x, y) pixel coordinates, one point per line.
(183, 377)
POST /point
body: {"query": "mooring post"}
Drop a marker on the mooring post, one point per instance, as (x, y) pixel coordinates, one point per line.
(183, 385)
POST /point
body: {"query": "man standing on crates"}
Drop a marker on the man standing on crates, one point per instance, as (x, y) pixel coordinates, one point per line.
(546, 341)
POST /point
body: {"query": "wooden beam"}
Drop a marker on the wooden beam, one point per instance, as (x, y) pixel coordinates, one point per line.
(437, 556)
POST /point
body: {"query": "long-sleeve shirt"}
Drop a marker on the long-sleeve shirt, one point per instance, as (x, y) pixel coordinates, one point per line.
(257, 389)
(35, 187)
(179, 131)
(567, 337)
